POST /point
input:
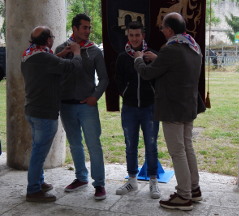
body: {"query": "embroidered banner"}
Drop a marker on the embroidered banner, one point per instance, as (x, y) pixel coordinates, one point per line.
(116, 14)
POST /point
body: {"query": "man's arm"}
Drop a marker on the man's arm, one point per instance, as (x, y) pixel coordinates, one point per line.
(64, 49)
(103, 81)
(155, 69)
(66, 65)
(102, 76)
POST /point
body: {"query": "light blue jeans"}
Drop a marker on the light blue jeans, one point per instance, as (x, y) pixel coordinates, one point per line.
(43, 133)
(78, 118)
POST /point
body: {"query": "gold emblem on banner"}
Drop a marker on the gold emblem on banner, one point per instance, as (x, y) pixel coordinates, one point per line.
(127, 16)
(190, 9)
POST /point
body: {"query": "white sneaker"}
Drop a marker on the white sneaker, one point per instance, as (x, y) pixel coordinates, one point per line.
(130, 185)
(153, 187)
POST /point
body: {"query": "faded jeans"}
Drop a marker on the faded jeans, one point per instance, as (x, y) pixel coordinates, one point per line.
(78, 118)
(43, 133)
(132, 119)
(178, 137)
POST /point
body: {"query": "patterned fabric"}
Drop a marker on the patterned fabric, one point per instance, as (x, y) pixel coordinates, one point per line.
(83, 44)
(185, 39)
(130, 51)
(33, 49)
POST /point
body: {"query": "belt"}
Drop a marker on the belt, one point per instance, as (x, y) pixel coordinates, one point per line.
(73, 101)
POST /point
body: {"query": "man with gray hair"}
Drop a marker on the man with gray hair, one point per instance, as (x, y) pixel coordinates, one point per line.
(42, 72)
(177, 70)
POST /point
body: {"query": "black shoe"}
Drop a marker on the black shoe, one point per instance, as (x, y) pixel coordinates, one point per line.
(46, 187)
(177, 202)
(40, 196)
(196, 195)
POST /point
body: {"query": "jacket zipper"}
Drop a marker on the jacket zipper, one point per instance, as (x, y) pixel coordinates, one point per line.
(125, 89)
(152, 88)
(138, 90)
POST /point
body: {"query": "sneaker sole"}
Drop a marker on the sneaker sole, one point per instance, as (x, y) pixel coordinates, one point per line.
(100, 198)
(78, 188)
(197, 199)
(155, 196)
(183, 208)
(123, 193)
(40, 200)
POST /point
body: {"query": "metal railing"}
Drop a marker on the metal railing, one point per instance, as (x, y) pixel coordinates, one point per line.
(224, 56)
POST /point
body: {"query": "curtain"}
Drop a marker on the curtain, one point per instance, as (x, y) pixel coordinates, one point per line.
(116, 14)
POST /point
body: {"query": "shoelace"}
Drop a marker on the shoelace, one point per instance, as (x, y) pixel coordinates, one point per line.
(154, 187)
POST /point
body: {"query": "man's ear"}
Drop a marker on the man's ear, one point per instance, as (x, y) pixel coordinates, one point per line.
(74, 29)
(143, 35)
(48, 42)
(171, 31)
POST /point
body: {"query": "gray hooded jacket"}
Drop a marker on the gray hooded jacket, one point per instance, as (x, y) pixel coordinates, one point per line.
(79, 86)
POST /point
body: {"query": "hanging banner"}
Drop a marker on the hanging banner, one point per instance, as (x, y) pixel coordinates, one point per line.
(116, 14)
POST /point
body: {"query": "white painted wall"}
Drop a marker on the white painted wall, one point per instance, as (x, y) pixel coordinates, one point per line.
(218, 35)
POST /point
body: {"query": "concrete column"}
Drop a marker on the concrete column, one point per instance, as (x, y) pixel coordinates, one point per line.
(22, 16)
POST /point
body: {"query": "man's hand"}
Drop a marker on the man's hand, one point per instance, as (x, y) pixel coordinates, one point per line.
(138, 54)
(91, 101)
(75, 48)
(64, 52)
(149, 56)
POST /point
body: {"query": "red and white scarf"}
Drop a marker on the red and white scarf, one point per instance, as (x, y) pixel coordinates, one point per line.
(185, 39)
(131, 51)
(83, 44)
(33, 49)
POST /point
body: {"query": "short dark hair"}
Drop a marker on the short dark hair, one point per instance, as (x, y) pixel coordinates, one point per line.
(176, 24)
(76, 21)
(135, 25)
(41, 39)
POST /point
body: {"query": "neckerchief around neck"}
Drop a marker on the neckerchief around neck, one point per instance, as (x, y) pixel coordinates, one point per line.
(185, 39)
(33, 49)
(83, 44)
(130, 51)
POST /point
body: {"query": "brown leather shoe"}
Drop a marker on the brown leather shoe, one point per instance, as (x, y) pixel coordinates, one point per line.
(177, 202)
(196, 195)
(46, 187)
(40, 197)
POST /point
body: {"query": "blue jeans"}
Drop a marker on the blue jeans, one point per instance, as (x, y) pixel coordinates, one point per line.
(43, 133)
(82, 117)
(132, 119)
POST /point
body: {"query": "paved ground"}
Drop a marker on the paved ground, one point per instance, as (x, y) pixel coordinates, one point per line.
(219, 198)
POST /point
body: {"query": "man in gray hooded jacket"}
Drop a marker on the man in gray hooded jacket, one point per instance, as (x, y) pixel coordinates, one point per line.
(79, 111)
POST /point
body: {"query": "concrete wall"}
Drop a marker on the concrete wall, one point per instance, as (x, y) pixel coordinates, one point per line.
(22, 17)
